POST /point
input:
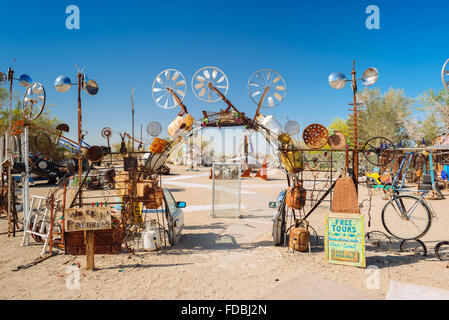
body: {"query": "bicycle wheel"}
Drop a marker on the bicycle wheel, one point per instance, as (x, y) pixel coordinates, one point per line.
(406, 217)
(442, 251)
(416, 247)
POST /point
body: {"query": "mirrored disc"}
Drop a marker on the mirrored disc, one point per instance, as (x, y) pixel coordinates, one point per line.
(268, 81)
(292, 127)
(154, 128)
(91, 87)
(25, 80)
(166, 81)
(205, 77)
(63, 83)
(337, 80)
(370, 76)
(445, 75)
(3, 78)
(33, 102)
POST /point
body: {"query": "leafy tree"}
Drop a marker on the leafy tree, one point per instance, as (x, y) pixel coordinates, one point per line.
(429, 129)
(386, 115)
(39, 142)
(438, 104)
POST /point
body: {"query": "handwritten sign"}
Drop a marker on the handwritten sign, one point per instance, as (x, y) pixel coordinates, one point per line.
(87, 219)
(345, 240)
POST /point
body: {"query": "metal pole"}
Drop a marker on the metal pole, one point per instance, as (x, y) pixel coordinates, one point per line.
(10, 158)
(26, 181)
(355, 153)
(80, 156)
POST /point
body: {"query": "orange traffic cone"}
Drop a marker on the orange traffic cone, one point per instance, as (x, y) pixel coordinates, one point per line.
(247, 173)
(262, 173)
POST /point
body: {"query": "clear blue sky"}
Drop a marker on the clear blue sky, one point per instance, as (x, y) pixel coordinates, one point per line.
(125, 44)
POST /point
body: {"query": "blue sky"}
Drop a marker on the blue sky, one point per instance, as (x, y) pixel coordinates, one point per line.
(125, 44)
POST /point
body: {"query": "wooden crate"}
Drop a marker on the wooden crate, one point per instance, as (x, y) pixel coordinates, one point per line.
(106, 242)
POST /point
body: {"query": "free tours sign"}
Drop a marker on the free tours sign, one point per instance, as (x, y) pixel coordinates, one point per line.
(345, 239)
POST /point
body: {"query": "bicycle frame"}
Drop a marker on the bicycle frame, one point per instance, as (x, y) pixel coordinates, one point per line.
(400, 205)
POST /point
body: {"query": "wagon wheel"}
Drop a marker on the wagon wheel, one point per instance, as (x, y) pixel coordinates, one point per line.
(379, 151)
(378, 241)
(414, 246)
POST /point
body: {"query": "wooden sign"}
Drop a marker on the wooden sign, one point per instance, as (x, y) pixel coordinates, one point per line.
(87, 219)
(345, 239)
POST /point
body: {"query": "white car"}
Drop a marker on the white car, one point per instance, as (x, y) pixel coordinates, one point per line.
(174, 216)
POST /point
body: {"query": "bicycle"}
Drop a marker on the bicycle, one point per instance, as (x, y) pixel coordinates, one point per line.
(406, 217)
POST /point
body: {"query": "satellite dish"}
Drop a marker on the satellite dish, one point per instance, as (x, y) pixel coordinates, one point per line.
(63, 84)
(3, 78)
(106, 132)
(292, 127)
(166, 81)
(25, 80)
(34, 101)
(445, 73)
(370, 76)
(91, 87)
(206, 77)
(337, 80)
(154, 128)
(267, 85)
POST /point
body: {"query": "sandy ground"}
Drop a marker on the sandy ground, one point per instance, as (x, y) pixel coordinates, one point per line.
(223, 258)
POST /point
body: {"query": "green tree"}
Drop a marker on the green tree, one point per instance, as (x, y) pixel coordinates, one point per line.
(429, 129)
(386, 115)
(39, 142)
(438, 104)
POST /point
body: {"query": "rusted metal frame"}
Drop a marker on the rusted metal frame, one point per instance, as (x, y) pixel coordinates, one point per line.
(179, 101)
(262, 98)
(355, 154)
(230, 105)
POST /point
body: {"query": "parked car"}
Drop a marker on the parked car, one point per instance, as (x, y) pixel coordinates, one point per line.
(174, 216)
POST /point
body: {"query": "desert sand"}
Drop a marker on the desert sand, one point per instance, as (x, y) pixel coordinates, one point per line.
(224, 258)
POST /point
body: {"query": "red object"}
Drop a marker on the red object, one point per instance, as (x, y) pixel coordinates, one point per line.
(262, 173)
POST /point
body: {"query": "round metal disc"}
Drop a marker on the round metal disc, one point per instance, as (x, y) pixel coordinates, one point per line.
(201, 80)
(444, 74)
(3, 78)
(292, 127)
(25, 80)
(337, 140)
(337, 80)
(33, 102)
(63, 84)
(315, 136)
(91, 87)
(263, 79)
(106, 132)
(169, 79)
(370, 77)
(95, 154)
(154, 128)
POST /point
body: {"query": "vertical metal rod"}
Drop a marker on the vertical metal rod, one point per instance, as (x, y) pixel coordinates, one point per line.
(355, 154)
(80, 156)
(52, 219)
(10, 158)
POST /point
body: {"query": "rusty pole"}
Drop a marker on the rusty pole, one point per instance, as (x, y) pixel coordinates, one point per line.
(355, 154)
(80, 156)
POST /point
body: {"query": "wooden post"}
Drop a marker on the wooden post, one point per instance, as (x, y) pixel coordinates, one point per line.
(90, 250)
